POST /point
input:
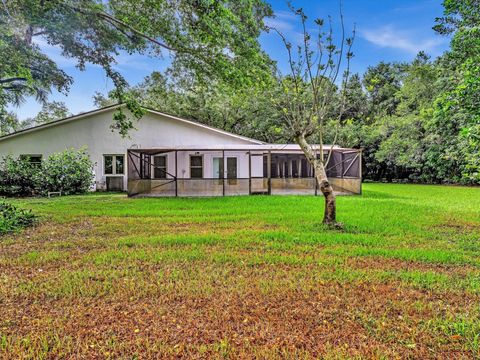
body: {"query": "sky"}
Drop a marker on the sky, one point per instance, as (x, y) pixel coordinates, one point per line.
(386, 30)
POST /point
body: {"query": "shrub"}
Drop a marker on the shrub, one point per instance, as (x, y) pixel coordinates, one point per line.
(13, 219)
(70, 172)
(18, 177)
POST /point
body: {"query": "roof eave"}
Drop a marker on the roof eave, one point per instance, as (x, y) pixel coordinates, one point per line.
(60, 121)
(112, 107)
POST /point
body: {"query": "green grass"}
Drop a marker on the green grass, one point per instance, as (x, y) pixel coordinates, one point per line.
(245, 277)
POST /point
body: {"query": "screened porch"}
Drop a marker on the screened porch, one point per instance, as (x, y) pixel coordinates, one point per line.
(241, 170)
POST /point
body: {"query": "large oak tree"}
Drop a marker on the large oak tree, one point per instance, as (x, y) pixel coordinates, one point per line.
(211, 38)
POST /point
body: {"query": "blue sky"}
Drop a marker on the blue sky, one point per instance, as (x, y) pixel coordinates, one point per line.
(388, 30)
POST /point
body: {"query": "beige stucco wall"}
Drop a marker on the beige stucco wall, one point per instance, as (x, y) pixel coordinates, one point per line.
(93, 131)
(347, 185)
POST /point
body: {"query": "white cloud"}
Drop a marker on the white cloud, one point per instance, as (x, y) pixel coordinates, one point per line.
(284, 21)
(287, 23)
(389, 37)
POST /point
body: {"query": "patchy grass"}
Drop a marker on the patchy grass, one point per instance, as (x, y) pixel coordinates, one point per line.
(104, 276)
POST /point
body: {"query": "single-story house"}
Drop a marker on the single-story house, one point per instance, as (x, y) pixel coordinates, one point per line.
(167, 155)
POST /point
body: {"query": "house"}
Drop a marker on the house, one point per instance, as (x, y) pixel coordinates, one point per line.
(170, 156)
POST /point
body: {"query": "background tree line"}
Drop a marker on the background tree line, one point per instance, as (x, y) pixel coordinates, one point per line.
(417, 121)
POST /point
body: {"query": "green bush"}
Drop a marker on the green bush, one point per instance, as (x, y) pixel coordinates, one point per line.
(70, 172)
(18, 177)
(13, 219)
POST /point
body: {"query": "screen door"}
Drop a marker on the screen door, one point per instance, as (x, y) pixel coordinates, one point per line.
(231, 168)
(218, 168)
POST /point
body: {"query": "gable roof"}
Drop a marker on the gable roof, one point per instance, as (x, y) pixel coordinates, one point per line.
(112, 107)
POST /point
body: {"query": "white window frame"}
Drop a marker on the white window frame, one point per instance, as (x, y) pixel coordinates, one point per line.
(114, 164)
(166, 166)
(221, 175)
(225, 167)
(190, 165)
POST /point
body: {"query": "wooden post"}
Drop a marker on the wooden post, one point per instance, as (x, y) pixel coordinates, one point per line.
(342, 162)
(269, 172)
(223, 174)
(176, 174)
(360, 170)
(249, 173)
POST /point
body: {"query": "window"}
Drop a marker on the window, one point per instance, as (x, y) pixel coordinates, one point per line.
(108, 161)
(119, 164)
(196, 167)
(114, 164)
(231, 168)
(218, 167)
(32, 159)
(160, 167)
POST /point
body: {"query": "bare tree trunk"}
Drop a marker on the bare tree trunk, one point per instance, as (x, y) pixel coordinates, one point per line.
(330, 214)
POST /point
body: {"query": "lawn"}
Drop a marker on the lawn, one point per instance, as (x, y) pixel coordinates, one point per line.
(105, 276)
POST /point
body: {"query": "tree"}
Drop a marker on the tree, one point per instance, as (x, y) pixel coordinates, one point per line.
(419, 86)
(51, 111)
(307, 93)
(245, 110)
(401, 142)
(213, 39)
(382, 82)
(400, 146)
(461, 101)
(356, 104)
(25, 70)
(8, 123)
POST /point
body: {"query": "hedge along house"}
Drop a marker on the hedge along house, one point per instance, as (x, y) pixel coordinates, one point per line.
(170, 156)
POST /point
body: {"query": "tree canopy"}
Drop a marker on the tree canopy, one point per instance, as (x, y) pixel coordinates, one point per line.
(210, 39)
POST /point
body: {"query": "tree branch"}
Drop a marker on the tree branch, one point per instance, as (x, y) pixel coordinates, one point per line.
(9, 80)
(114, 21)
